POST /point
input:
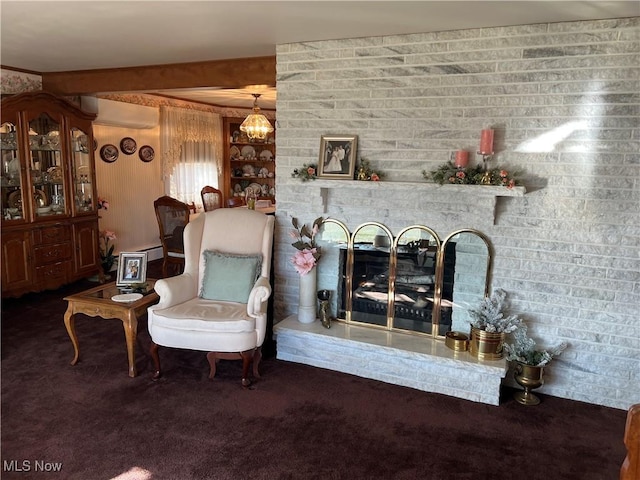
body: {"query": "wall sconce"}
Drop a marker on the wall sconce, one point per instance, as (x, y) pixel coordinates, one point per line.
(256, 125)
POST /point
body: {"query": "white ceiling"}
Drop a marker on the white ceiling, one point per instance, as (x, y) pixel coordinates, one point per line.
(57, 36)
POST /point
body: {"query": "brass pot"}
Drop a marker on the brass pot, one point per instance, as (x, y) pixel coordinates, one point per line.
(528, 377)
(486, 345)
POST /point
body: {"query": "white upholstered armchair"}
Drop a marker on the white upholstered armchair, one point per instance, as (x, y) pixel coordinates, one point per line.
(219, 304)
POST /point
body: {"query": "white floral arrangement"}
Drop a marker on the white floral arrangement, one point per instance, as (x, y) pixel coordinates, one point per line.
(523, 349)
(490, 315)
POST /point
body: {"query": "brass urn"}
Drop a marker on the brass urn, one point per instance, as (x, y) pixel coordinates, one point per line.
(528, 377)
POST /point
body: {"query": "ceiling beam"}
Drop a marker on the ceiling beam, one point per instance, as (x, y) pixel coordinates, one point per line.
(230, 73)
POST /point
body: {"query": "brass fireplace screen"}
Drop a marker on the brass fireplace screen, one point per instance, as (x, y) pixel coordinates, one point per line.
(413, 282)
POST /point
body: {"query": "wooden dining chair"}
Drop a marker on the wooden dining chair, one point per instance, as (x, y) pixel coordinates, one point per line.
(173, 217)
(235, 202)
(211, 198)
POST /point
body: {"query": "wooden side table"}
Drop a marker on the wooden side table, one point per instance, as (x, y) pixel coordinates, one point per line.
(96, 302)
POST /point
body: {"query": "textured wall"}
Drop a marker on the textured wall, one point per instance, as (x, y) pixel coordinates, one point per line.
(564, 101)
(130, 185)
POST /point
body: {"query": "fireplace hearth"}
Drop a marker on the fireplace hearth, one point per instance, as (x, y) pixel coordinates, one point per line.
(398, 358)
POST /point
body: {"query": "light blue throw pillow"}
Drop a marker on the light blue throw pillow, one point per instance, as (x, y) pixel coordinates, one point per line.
(229, 277)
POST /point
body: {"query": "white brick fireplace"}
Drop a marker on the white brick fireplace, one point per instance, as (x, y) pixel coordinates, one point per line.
(563, 100)
(415, 361)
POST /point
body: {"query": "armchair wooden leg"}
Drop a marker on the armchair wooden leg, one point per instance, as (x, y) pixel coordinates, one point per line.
(213, 360)
(247, 356)
(153, 351)
(257, 357)
(254, 355)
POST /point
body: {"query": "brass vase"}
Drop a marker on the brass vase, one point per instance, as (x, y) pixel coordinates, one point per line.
(528, 377)
(486, 345)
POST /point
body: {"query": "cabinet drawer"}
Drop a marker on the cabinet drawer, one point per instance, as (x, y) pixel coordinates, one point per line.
(52, 275)
(52, 253)
(52, 234)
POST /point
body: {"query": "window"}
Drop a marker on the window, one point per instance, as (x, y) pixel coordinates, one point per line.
(192, 151)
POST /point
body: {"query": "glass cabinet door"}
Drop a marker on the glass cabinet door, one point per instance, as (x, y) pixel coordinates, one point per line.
(46, 166)
(11, 177)
(82, 172)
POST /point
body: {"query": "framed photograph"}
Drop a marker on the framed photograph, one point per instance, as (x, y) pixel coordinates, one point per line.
(132, 268)
(337, 156)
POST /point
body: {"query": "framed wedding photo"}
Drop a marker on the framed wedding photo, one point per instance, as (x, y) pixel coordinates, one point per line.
(337, 157)
(132, 268)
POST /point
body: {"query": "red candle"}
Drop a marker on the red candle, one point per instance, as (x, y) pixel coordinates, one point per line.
(486, 141)
(462, 159)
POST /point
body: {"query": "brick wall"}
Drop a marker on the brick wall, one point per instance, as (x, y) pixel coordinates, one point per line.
(563, 99)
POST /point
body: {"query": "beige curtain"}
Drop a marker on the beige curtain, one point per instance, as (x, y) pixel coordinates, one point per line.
(191, 151)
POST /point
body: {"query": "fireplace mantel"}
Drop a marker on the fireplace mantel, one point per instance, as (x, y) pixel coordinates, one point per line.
(483, 196)
(472, 190)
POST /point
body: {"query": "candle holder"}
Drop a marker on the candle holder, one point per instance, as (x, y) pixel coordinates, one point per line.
(324, 311)
(486, 158)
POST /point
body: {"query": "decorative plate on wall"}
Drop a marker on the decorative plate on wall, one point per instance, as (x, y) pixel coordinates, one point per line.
(128, 146)
(109, 153)
(146, 153)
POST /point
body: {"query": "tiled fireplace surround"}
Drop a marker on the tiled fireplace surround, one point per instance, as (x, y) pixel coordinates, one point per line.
(415, 361)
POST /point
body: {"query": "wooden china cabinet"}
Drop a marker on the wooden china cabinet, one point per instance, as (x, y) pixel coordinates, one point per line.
(49, 202)
(248, 164)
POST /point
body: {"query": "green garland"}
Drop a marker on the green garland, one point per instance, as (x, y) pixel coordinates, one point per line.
(307, 172)
(365, 172)
(448, 173)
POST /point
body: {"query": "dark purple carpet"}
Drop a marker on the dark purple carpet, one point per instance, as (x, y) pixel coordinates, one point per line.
(298, 422)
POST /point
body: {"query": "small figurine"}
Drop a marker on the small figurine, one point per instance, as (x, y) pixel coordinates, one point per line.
(324, 312)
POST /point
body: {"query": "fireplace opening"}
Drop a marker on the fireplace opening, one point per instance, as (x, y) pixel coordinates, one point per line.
(411, 282)
(414, 286)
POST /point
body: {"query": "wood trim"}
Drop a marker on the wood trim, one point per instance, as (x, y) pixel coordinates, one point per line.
(42, 101)
(631, 467)
(229, 73)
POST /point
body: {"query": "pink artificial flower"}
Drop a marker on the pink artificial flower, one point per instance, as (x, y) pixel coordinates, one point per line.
(109, 235)
(460, 174)
(311, 171)
(102, 203)
(304, 260)
(512, 183)
(375, 177)
(452, 179)
(503, 173)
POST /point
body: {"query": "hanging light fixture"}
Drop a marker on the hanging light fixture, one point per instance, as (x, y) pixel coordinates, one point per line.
(256, 125)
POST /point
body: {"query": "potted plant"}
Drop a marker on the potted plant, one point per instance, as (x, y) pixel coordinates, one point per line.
(489, 325)
(107, 257)
(529, 363)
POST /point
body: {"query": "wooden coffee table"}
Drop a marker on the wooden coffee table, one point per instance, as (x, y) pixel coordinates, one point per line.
(96, 302)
